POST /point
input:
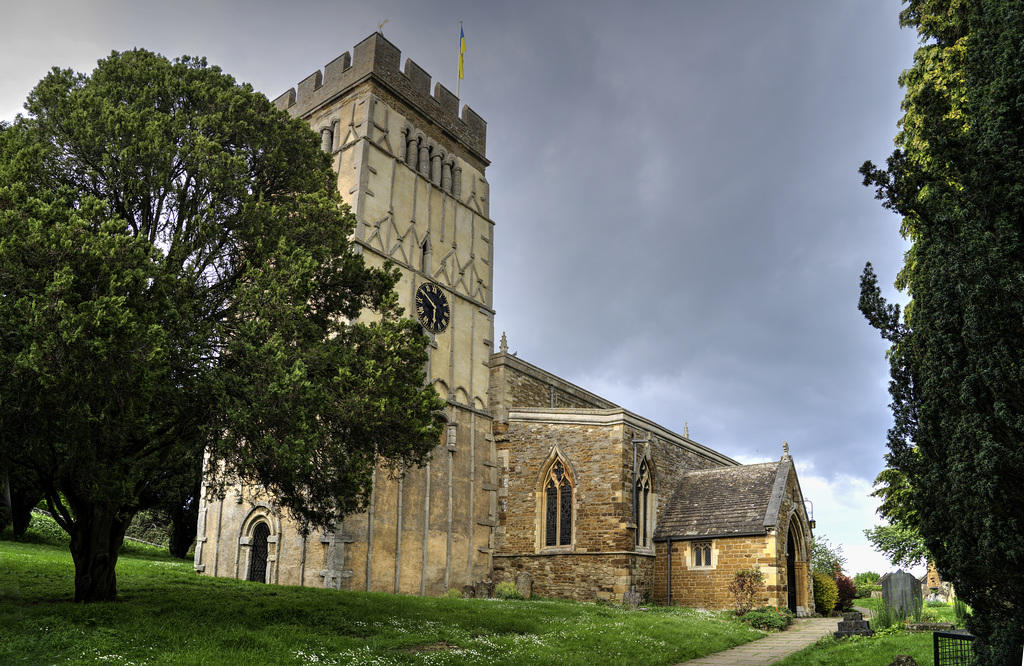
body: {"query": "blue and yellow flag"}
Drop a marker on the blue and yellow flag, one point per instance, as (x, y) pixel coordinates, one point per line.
(462, 50)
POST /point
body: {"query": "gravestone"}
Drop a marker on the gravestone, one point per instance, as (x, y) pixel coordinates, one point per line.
(632, 599)
(902, 592)
(484, 589)
(524, 583)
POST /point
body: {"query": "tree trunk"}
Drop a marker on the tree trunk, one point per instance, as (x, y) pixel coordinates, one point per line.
(95, 545)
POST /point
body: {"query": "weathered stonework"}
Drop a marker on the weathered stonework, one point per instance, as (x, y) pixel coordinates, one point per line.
(762, 526)
(603, 445)
(535, 478)
(412, 170)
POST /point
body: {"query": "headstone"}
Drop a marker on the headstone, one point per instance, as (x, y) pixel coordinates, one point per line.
(632, 599)
(483, 589)
(524, 583)
(902, 592)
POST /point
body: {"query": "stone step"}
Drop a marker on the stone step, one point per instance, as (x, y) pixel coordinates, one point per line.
(847, 634)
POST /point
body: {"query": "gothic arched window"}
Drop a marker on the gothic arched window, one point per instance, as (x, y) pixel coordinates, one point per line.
(558, 507)
(644, 506)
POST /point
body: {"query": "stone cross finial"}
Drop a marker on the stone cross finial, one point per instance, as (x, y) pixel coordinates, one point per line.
(503, 348)
(785, 449)
(686, 430)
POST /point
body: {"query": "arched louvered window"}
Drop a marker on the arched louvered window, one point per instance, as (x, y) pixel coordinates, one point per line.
(644, 506)
(558, 507)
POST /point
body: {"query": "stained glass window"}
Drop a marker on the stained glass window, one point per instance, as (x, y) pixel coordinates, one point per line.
(644, 510)
(558, 507)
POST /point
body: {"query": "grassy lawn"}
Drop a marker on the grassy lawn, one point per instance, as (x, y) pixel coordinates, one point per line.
(169, 615)
(930, 613)
(864, 651)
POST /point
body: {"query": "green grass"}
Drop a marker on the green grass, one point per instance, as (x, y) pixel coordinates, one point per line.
(864, 651)
(169, 615)
(930, 613)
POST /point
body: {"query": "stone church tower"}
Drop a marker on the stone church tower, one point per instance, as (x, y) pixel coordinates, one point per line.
(412, 170)
(535, 478)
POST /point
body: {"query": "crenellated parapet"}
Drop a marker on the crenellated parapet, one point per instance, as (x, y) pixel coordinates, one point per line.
(378, 59)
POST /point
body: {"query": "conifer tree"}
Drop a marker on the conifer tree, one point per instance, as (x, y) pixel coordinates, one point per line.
(176, 276)
(957, 180)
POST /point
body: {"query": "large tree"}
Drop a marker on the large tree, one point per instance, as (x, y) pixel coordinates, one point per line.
(176, 276)
(957, 355)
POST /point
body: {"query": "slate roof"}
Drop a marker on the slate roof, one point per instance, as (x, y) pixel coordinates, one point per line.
(725, 501)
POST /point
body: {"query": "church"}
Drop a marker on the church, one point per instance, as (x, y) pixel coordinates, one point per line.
(533, 474)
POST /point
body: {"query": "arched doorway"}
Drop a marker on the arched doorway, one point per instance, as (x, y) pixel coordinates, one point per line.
(791, 583)
(798, 592)
(258, 553)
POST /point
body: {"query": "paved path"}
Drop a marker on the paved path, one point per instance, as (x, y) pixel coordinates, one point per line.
(775, 646)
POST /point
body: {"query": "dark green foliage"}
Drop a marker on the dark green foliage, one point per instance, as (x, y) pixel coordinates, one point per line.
(769, 618)
(177, 277)
(826, 593)
(957, 180)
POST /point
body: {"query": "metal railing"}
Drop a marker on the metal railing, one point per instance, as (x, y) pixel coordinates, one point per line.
(952, 648)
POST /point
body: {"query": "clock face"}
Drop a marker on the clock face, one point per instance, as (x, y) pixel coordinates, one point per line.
(432, 307)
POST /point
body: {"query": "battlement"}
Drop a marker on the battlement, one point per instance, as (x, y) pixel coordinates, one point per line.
(377, 58)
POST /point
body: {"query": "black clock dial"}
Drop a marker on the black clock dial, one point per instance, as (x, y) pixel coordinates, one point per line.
(432, 309)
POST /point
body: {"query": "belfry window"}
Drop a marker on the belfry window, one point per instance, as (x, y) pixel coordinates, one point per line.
(558, 507)
(644, 501)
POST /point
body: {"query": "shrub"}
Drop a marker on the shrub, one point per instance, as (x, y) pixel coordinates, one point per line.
(888, 618)
(769, 618)
(847, 592)
(866, 578)
(746, 586)
(825, 593)
(961, 611)
(864, 590)
(453, 593)
(507, 590)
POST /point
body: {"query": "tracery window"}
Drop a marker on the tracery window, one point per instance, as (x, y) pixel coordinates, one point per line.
(558, 507)
(644, 506)
(702, 554)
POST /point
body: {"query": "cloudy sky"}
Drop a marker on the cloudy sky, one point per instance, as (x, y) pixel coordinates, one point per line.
(680, 225)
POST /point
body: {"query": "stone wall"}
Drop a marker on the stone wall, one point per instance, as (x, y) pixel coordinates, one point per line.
(580, 576)
(709, 587)
(600, 448)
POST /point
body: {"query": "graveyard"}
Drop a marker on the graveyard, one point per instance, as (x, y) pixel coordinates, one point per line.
(167, 614)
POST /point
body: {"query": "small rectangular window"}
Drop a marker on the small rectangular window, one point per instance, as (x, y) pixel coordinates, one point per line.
(702, 554)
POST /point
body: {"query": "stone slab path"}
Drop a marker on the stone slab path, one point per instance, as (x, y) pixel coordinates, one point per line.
(773, 647)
